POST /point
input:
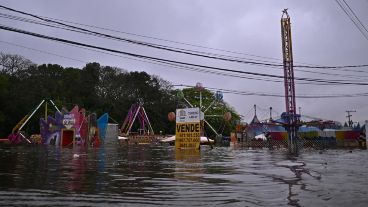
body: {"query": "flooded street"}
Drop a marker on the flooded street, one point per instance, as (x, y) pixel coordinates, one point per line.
(115, 175)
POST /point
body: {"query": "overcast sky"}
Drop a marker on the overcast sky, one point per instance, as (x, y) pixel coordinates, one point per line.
(322, 34)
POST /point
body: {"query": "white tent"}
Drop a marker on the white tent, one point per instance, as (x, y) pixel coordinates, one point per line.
(261, 136)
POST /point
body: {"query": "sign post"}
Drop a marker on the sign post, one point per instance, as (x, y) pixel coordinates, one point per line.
(188, 128)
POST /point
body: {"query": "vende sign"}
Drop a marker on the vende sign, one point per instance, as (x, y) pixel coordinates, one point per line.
(188, 128)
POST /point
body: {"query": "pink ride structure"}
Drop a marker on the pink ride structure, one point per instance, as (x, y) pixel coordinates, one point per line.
(145, 134)
(66, 128)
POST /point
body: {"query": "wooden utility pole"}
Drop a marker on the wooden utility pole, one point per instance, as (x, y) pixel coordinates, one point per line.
(350, 122)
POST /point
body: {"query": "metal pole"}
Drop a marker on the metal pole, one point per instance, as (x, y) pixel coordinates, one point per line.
(366, 132)
(350, 122)
(149, 123)
(46, 111)
(270, 113)
(39, 105)
(209, 106)
(53, 104)
(188, 102)
(200, 100)
(135, 116)
(24, 137)
(211, 127)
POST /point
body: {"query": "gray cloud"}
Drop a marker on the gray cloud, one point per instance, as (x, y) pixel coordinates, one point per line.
(322, 34)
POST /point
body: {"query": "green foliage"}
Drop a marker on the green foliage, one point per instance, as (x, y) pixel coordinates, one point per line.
(98, 89)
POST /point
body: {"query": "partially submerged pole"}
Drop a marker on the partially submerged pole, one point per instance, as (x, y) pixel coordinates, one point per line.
(290, 116)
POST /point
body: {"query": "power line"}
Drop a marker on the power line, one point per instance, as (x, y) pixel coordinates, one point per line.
(37, 22)
(161, 63)
(154, 38)
(356, 17)
(352, 16)
(229, 91)
(172, 61)
(301, 70)
(42, 51)
(156, 46)
(249, 93)
(195, 69)
(177, 50)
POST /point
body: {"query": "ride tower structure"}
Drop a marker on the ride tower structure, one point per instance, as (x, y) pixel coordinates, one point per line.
(291, 118)
(135, 112)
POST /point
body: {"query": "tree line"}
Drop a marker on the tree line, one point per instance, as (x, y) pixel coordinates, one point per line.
(96, 88)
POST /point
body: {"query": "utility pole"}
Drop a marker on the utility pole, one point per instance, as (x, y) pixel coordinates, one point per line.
(255, 110)
(270, 114)
(350, 122)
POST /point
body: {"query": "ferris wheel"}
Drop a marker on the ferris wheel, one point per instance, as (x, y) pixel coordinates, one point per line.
(217, 99)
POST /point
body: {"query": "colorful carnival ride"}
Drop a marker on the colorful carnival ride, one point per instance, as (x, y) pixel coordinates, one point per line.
(312, 132)
(65, 128)
(217, 99)
(144, 133)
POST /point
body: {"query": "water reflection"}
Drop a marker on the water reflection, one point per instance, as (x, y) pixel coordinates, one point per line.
(188, 164)
(140, 175)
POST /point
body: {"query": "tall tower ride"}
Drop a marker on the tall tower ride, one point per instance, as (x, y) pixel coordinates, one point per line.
(292, 119)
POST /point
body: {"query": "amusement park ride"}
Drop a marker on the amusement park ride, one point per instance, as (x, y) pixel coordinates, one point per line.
(291, 117)
(136, 111)
(64, 128)
(17, 135)
(90, 130)
(145, 134)
(316, 133)
(218, 98)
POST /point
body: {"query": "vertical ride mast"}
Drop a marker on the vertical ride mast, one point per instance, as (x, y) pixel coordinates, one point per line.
(292, 119)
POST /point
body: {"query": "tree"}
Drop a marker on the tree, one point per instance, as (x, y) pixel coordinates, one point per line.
(98, 89)
(11, 64)
(90, 80)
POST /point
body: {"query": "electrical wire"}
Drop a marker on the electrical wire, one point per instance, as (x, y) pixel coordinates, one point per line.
(352, 16)
(301, 70)
(172, 61)
(249, 93)
(60, 27)
(42, 51)
(229, 91)
(178, 50)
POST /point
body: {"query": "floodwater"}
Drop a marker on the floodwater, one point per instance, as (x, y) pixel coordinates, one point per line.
(115, 175)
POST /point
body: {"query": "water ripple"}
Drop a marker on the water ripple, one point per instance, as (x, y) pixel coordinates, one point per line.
(116, 175)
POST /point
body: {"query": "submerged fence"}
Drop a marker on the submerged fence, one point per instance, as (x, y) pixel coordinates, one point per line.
(318, 143)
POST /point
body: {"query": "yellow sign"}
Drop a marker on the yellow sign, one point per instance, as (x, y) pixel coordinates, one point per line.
(187, 135)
